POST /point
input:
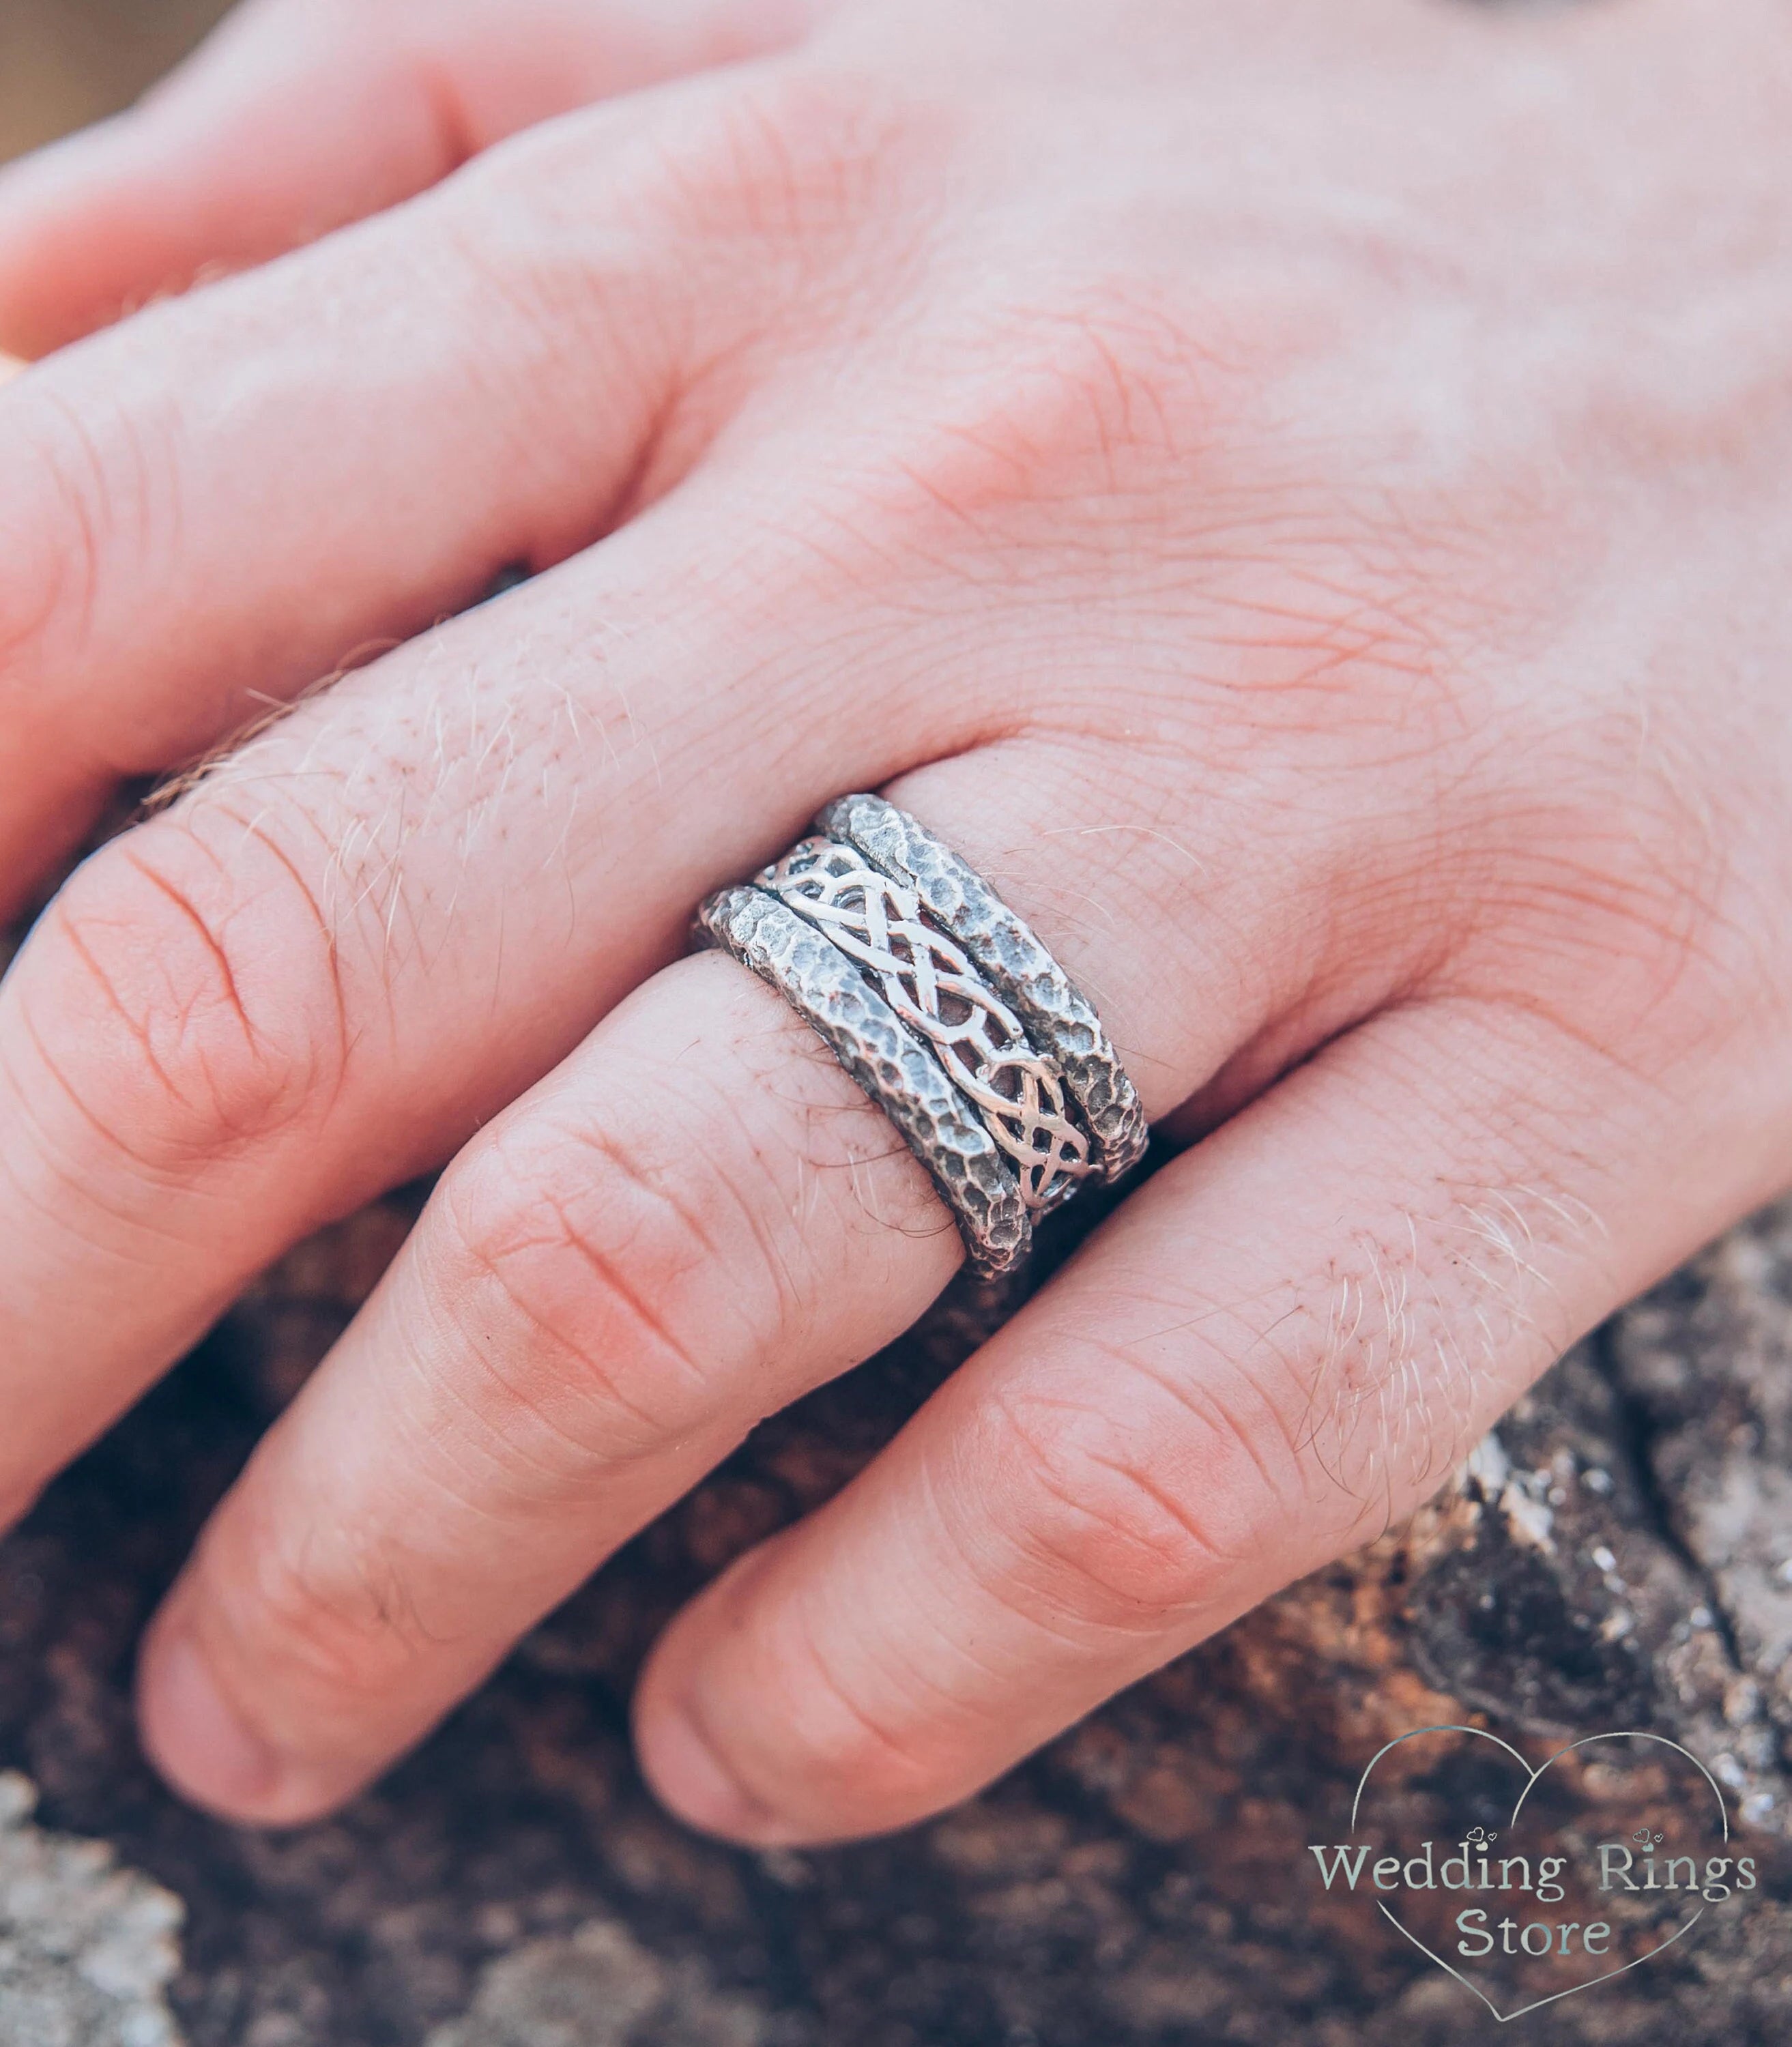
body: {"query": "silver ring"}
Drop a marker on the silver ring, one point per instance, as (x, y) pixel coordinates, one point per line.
(1060, 1019)
(896, 1069)
(949, 1012)
(936, 991)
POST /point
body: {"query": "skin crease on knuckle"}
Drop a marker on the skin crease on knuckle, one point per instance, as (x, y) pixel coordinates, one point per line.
(50, 555)
(599, 1243)
(614, 1302)
(1371, 623)
(1333, 1402)
(167, 1000)
(1111, 1501)
(1131, 1478)
(577, 1311)
(1327, 535)
(556, 315)
(783, 187)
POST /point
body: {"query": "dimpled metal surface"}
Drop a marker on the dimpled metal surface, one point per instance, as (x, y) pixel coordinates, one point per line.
(931, 986)
(1059, 1019)
(895, 1068)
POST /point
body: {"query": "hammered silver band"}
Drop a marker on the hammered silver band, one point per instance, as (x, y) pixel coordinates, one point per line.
(1059, 1019)
(894, 1067)
(947, 1010)
(931, 984)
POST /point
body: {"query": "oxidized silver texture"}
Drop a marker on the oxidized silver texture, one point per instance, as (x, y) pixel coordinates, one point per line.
(1059, 1019)
(896, 1068)
(931, 984)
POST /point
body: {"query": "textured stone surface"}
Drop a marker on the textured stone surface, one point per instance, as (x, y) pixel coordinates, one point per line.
(599, 1988)
(1611, 1558)
(87, 1948)
(1708, 1363)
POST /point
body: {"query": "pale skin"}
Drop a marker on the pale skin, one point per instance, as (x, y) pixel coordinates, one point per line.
(1296, 493)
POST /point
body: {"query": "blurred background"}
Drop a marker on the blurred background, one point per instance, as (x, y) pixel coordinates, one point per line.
(63, 63)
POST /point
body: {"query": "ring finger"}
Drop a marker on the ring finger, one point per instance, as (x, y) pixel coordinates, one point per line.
(612, 1283)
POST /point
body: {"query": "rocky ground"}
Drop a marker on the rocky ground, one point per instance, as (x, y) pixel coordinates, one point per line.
(1617, 1556)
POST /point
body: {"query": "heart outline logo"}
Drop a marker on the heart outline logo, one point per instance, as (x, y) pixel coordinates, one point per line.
(1531, 1777)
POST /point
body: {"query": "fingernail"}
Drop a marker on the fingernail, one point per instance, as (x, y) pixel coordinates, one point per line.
(196, 1739)
(681, 1765)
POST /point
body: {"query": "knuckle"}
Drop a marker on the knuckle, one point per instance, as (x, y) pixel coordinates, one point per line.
(1093, 394)
(863, 1752)
(306, 1626)
(86, 483)
(1096, 1513)
(163, 992)
(1642, 943)
(609, 1274)
(795, 153)
(733, 165)
(854, 1759)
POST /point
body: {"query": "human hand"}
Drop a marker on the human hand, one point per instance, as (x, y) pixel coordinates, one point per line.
(1296, 494)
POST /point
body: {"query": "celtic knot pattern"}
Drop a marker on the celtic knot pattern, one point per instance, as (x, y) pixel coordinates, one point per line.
(1059, 1018)
(897, 1068)
(929, 982)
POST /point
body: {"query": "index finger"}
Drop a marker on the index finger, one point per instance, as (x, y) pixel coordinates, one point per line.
(208, 510)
